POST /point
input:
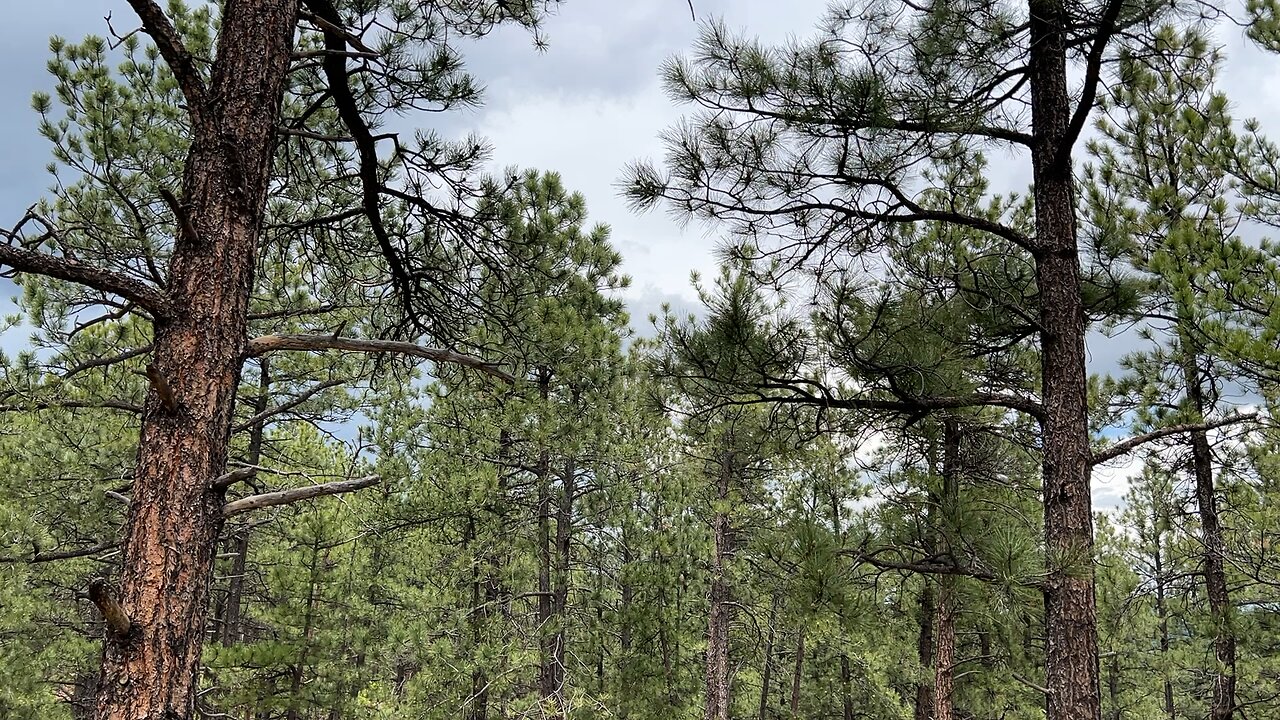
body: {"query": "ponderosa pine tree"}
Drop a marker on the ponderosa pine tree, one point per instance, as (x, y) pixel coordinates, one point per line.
(313, 76)
(816, 151)
(1164, 194)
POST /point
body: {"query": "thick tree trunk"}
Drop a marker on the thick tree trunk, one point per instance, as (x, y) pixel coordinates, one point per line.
(1213, 565)
(944, 634)
(175, 516)
(1071, 650)
(944, 660)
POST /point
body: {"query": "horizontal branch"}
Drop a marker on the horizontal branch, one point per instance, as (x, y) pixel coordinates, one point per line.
(1127, 446)
(922, 568)
(823, 397)
(73, 405)
(273, 343)
(288, 497)
(38, 263)
(290, 405)
(104, 361)
(243, 474)
(72, 554)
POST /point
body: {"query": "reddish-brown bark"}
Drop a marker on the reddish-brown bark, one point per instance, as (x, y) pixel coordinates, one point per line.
(175, 515)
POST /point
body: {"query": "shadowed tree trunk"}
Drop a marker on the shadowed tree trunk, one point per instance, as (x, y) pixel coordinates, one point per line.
(1071, 651)
(797, 674)
(924, 651)
(1162, 617)
(766, 673)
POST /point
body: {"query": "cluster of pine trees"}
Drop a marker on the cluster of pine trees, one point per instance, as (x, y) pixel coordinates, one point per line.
(317, 420)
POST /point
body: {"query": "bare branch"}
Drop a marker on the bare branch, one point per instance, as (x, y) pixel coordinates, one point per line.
(238, 475)
(38, 263)
(291, 404)
(118, 497)
(1034, 686)
(101, 362)
(288, 497)
(272, 343)
(1133, 443)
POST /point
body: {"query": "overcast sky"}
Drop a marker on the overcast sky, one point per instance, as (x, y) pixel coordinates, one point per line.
(585, 107)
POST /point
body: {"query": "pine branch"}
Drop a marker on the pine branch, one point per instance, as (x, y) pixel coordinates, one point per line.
(135, 291)
(1122, 448)
(288, 497)
(175, 54)
(273, 343)
(60, 554)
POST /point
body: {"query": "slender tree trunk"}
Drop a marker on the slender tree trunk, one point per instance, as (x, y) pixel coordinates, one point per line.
(546, 600)
(234, 609)
(298, 672)
(171, 535)
(563, 565)
(1113, 687)
(1071, 650)
(1162, 616)
(766, 673)
(944, 657)
(718, 599)
(924, 651)
(846, 687)
(797, 674)
(1213, 565)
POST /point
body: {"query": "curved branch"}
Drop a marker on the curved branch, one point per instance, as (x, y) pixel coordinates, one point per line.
(1126, 446)
(272, 343)
(325, 15)
(135, 291)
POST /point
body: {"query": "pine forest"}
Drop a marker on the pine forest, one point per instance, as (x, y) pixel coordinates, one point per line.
(312, 410)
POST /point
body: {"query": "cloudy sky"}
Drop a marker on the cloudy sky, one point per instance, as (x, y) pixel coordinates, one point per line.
(585, 107)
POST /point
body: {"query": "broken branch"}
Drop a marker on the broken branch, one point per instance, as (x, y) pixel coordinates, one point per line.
(118, 622)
